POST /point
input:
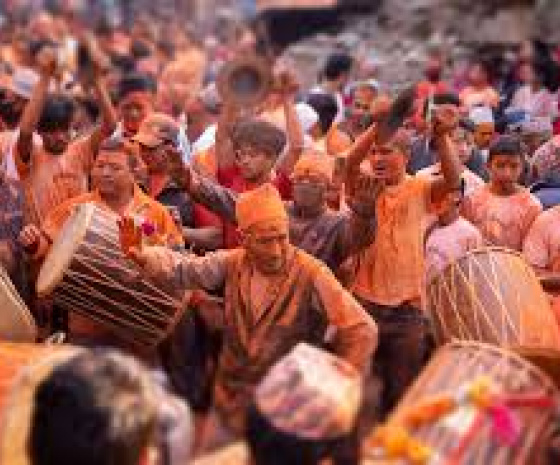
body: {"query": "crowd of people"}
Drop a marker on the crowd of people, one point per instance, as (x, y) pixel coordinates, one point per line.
(299, 232)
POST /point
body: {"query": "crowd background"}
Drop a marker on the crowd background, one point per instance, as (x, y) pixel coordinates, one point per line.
(383, 179)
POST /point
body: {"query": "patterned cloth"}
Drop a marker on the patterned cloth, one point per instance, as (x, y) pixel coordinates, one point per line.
(545, 162)
(311, 394)
(503, 221)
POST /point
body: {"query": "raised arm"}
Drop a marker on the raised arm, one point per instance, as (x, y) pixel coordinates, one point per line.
(225, 154)
(204, 191)
(108, 113)
(294, 131)
(445, 121)
(46, 62)
(173, 268)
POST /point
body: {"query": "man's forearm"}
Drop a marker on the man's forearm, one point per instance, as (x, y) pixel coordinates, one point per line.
(451, 166)
(216, 198)
(30, 118)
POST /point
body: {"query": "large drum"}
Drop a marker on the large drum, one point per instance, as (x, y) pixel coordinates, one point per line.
(16, 322)
(89, 274)
(22, 368)
(492, 295)
(472, 404)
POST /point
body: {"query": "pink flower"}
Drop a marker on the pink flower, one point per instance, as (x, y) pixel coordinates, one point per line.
(148, 228)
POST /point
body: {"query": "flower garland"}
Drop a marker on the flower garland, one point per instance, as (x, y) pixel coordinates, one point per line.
(394, 441)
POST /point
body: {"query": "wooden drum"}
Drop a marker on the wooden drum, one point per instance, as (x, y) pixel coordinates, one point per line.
(22, 368)
(472, 404)
(16, 322)
(492, 295)
(89, 274)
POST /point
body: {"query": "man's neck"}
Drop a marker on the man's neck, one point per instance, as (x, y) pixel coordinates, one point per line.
(119, 203)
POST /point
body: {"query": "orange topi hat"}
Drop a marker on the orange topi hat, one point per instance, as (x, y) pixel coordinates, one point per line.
(259, 205)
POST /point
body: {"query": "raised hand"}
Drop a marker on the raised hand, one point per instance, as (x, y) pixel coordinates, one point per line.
(445, 120)
(29, 238)
(130, 237)
(47, 61)
(286, 84)
(364, 191)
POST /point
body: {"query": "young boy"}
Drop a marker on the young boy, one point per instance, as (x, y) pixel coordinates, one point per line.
(503, 210)
(451, 237)
(59, 169)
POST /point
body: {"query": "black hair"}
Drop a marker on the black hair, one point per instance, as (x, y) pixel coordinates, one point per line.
(261, 135)
(94, 409)
(139, 49)
(443, 98)
(337, 65)
(125, 63)
(507, 145)
(120, 144)
(57, 113)
(326, 107)
(90, 105)
(135, 82)
(270, 446)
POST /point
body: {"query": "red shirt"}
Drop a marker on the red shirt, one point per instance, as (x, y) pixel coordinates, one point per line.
(232, 179)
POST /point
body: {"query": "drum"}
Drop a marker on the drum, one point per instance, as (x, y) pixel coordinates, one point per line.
(22, 368)
(17, 323)
(473, 403)
(492, 295)
(89, 274)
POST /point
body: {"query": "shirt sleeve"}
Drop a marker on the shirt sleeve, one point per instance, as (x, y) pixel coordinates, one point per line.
(535, 246)
(216, 198)
(356, 332)
(186, 271)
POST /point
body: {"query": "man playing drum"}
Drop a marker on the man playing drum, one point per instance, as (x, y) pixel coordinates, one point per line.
(115, 191)
(275, 296)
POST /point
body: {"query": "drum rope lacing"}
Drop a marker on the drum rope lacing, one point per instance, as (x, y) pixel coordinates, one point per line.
(394, 441)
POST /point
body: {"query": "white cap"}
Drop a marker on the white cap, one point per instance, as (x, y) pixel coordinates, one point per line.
(481, 114)
(23, 82)
(307, 116)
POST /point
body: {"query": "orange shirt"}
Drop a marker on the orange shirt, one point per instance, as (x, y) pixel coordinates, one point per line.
(49, 179)
(141, 205)
(390, 271)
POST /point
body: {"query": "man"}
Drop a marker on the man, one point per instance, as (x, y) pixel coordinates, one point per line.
(59, 169)
(359, 115)
(136, 422)
(157, 138)
(113, 177)
(389, 273)
(275, 296)
(14, 99)
(334, 77)
(136, 96)
(329, 236)
(484, 129)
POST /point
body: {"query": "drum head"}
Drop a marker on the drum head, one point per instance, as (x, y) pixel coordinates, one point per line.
(60, 255)
(17, 323)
